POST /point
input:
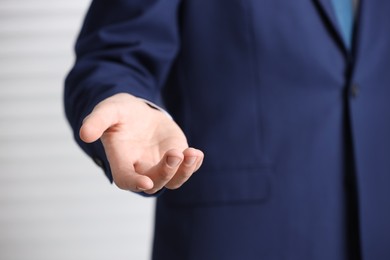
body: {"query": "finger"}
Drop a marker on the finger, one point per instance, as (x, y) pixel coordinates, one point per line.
(95, 124)
(163, 172)
(199, 162)
(124, 173)
(191, 163)
(122, 158)
(133, 182)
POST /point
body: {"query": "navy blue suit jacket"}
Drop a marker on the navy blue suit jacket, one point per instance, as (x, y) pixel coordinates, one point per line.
(295, 127)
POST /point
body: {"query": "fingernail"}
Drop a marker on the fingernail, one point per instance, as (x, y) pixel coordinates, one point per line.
(190, 160)
(140, 189)
(173, 161)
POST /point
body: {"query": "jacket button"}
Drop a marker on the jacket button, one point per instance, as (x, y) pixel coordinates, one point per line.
(354, 90)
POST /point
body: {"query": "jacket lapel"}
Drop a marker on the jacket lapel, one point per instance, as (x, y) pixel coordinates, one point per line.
(372, 33)
(329, 15)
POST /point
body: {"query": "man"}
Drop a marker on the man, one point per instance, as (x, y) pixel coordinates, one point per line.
(287, 100)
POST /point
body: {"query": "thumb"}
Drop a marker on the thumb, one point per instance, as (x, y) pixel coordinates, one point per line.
(97, 122)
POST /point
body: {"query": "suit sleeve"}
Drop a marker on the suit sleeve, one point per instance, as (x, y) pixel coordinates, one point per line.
(124, 46)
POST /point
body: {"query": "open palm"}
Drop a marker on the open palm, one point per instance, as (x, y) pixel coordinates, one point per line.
(146, 149)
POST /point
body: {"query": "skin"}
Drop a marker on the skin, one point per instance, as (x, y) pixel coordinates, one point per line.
(147, 150)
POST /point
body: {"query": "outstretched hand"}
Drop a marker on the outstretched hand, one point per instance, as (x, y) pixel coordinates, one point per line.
(146, 149)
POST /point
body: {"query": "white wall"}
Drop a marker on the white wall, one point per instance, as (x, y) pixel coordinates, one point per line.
(54, 202)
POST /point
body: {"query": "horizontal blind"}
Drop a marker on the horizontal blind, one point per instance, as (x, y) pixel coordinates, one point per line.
(54, 202)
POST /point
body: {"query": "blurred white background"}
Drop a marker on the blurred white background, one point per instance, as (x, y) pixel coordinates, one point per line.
(54, 202)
